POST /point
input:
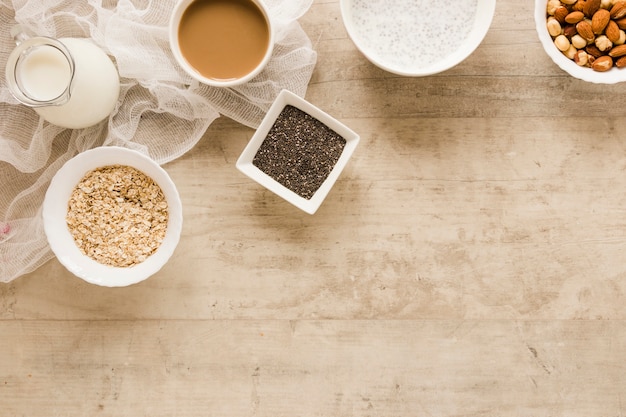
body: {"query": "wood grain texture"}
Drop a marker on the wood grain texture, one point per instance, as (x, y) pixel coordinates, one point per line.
(313, 368)
(468, 262)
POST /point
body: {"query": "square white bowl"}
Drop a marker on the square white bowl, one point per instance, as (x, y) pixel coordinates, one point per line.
(59, 237)
(246, 166)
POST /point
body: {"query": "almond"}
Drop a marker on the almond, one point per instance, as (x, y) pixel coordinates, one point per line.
(570, 30)
(579, 6)
(599, 21)
(612, 31)
(594, 51)
(590, 7)
(574, 17)
(604, 63)
(618, 10)
(621, 23)
(560, 13)
(618, 51)
(584, 30)
(621, 62)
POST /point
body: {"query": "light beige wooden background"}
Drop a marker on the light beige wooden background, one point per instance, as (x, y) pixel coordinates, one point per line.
(469, 262)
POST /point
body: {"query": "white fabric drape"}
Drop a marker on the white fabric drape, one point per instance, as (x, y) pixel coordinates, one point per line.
(161, 111)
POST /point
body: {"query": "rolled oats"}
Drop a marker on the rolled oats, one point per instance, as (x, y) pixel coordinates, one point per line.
(117, 215)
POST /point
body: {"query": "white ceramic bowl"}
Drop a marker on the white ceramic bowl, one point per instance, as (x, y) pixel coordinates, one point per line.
(612, 76)
(404, 36)
(62, 243)
(245, 161)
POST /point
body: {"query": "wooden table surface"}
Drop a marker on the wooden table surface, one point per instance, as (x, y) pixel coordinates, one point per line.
(469, 262)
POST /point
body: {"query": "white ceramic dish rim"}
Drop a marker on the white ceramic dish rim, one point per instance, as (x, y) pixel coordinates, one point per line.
(612, 76)
(484, 16)
(58, 234)
(245, 165)
(177, 13)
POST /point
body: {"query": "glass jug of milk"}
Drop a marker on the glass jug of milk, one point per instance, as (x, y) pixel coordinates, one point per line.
(70, 82)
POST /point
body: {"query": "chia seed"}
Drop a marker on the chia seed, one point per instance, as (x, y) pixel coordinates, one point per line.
(299, 151)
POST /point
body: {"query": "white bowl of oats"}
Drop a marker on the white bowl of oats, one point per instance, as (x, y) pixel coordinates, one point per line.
(112, 216)
(417, 37)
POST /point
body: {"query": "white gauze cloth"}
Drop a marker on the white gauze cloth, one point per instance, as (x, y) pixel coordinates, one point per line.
(161, 112)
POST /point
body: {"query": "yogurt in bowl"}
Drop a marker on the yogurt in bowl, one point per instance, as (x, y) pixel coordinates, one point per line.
(416, 37)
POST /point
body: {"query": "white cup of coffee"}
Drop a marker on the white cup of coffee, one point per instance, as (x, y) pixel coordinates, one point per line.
(221, 43)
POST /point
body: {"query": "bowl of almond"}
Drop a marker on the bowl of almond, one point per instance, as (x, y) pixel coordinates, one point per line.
(112, 216)
(585, 38)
